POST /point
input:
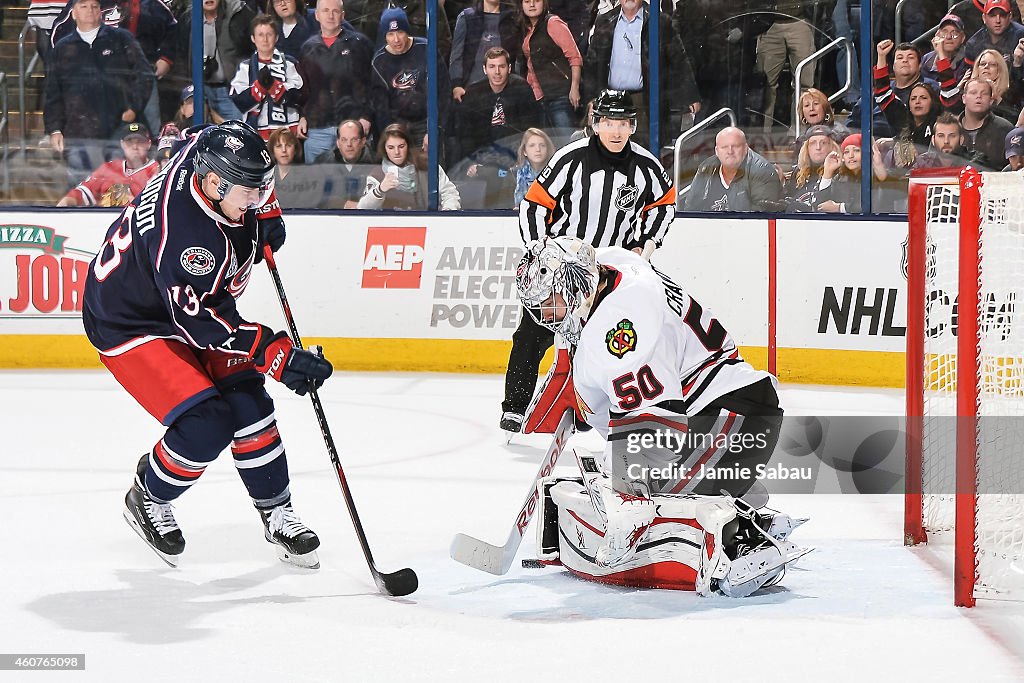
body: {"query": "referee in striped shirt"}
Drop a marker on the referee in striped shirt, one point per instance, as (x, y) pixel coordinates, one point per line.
(605, 190)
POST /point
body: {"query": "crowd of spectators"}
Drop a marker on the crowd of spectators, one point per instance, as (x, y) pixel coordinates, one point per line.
(340, 91)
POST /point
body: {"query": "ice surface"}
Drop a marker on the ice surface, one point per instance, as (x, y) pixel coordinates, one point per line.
(425, 460)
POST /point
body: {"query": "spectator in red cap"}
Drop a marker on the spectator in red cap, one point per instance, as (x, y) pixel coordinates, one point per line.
(1001, 33)
(970, 11)
(947, 43)
(839, 189)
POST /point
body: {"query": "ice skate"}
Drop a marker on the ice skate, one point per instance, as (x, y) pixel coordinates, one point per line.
(782, 525)
(759, 556)
(295, 542)
(759, 568)
(776, 524)
(153, 521)
(629, 517)
(511, 424)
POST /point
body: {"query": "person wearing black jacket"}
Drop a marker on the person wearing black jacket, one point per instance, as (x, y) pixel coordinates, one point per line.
(399, 79)
(156, 29)
(984, 132)
(367, 20)
(678, 88)
(346, 166)
(491, 23)
(97, 79)
(335, 70)
(491, 120)
(736, 179)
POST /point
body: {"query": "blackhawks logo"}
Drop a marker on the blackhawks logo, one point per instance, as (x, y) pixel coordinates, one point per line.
(622, 339)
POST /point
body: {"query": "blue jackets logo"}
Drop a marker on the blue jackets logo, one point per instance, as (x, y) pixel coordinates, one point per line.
(198, 261)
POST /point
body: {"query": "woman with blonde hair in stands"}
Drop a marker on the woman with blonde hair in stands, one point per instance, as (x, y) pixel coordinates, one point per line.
(839, 191)
(991, 66)
(816, 110)
(401, 180)
(802, 185)
(535, 150)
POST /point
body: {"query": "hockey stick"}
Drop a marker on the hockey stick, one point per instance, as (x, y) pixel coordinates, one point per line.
(402, 582)
(649, 247)
(495, 559)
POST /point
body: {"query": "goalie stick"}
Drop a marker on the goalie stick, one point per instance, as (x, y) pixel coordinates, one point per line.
(648, 251)
(495, 559)
(402, 582)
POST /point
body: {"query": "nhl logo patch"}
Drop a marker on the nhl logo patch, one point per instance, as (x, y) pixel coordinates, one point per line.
(621, 339)
(198, 261)
(626, 197)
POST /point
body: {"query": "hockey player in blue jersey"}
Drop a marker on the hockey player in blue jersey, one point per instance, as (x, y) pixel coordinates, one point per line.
(159, 307)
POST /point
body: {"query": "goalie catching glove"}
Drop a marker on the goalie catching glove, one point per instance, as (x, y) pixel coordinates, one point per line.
(297, 369)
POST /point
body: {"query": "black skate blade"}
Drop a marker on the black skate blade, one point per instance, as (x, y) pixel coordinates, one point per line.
(397, 584)
(537, 563)
(171, 560)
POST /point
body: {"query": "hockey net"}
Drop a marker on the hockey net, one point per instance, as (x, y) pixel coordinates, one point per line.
(965, 376)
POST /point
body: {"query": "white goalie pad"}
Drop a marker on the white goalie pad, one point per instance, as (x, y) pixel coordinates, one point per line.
(677, 552)
(683, 549)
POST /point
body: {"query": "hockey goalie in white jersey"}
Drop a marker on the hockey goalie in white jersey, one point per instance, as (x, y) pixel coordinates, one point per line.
(686, 423)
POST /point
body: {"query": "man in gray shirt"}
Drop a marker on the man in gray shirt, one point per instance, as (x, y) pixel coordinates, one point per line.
(736, 179)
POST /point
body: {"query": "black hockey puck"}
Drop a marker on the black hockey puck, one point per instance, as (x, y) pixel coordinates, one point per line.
(533, 564)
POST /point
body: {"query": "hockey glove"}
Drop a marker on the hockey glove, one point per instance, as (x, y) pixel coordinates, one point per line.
(276, 91)
(296, 369)
(265, 79)
(258, 92)
(271, 233)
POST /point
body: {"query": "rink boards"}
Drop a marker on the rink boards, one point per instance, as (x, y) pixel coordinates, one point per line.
(436, 292)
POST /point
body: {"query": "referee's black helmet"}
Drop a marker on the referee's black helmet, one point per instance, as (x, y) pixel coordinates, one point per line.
(614, 104)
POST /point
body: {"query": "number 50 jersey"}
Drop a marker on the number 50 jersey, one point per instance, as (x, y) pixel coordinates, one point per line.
(647, 342)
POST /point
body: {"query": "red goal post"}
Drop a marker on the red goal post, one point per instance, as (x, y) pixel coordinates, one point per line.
(965, 375)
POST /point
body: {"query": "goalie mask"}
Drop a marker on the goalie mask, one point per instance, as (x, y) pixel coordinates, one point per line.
(556, 280)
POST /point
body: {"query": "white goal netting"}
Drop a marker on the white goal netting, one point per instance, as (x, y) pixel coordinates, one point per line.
(999, 504)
